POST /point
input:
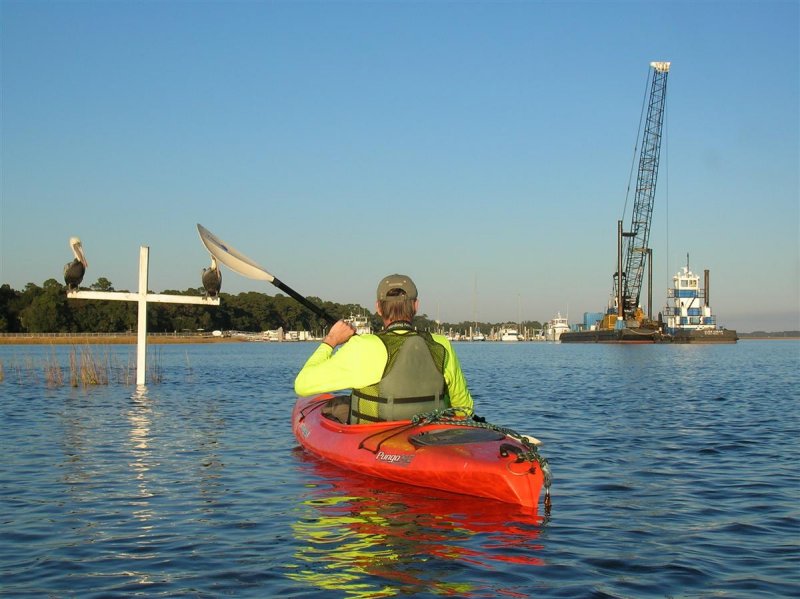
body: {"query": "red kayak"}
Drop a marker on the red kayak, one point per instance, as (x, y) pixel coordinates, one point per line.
(436, 450)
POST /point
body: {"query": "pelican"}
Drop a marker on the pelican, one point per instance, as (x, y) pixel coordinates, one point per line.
(73, 271)
(212, 278)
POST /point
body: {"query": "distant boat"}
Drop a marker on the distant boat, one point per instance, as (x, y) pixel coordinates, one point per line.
(475, 333)
(509, 334)
(688, 316)
(361, 323)
(555, 327)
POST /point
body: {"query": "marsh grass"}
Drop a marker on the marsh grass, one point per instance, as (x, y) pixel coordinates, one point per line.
(124, 373)
(155, 368)
(93, 370)
(189, 373)
(53, 374)
(87, 367)
(21, 371)
(30, 369)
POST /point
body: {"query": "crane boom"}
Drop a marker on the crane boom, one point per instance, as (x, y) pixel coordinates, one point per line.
(636, 240)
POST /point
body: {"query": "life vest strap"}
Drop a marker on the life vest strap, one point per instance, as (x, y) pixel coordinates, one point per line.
(392, 408)
(397, 400)
(359, 417)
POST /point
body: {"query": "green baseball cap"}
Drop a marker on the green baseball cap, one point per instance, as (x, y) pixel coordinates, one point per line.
(401, 282)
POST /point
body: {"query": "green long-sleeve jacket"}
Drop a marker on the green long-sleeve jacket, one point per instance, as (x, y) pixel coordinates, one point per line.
(361, 361)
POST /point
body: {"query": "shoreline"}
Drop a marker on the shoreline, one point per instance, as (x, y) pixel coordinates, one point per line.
(112, 340)
(768, 338)
(170, 339)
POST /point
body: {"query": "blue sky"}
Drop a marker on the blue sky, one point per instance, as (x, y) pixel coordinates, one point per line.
(484, 148)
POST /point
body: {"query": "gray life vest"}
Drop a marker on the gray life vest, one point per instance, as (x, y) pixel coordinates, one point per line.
(412, 382)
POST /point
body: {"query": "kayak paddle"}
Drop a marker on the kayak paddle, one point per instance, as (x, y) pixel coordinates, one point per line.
(243, 265)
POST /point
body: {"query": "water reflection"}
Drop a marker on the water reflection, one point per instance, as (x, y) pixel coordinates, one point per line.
(368, 537)
(140, 416)
(74, 445)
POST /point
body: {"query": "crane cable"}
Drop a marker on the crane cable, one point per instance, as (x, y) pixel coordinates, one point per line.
(636, 145)
(666, 183)
(633, 165)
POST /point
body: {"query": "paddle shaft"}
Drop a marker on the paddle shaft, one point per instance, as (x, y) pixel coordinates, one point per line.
(311, 306)
(243, 265)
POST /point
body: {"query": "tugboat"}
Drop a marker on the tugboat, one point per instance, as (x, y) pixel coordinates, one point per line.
(555, 327)
(688, 313)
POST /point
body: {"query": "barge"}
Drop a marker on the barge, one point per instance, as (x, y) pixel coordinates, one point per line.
(613, 329)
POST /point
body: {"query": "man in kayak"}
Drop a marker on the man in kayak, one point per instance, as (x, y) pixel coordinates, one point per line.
(393, 374)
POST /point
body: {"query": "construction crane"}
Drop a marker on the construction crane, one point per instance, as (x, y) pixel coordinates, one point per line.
(632, 258)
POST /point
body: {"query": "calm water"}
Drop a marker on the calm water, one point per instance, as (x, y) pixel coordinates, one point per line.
(675, 474)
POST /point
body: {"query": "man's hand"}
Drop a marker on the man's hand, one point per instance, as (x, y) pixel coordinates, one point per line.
(340, 332)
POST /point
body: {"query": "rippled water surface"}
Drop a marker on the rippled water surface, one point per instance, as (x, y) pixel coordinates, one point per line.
(675, 474)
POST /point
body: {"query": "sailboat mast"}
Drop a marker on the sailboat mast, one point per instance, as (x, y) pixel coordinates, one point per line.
(474, 302)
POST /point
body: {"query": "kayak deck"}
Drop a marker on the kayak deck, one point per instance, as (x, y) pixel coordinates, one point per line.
(435, 451)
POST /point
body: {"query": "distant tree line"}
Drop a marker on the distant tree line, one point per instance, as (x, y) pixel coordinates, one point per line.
(770, 335)
(46, 309)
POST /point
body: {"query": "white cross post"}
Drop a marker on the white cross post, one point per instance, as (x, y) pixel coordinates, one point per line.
(143, 297)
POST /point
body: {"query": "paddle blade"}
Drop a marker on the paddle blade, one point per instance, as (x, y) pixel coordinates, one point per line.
(231, 258)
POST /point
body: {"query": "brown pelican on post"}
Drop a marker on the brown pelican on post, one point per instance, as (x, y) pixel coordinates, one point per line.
(212, 278)
(74, 271)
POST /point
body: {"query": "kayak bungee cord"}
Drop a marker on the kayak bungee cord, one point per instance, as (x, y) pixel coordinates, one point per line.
(394, 432)
(311, 408)
(530, 454)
